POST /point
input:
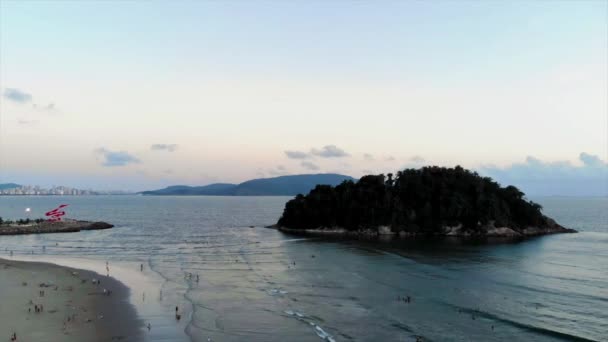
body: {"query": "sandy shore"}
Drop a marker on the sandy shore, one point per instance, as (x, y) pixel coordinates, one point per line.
(73, 308)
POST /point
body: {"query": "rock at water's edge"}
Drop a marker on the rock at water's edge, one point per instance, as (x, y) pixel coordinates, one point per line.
(67, 226)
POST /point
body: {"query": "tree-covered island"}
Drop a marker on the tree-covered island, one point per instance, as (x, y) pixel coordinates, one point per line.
(416, 202)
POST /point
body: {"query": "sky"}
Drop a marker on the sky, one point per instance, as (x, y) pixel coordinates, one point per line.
(135, 95)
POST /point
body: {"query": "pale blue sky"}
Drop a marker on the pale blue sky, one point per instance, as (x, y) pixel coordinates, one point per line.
(233, 85)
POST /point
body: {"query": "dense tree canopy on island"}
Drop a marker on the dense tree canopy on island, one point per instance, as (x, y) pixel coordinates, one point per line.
(415, 200)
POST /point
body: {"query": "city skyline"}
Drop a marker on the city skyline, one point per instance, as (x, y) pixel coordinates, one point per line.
(60, 190)
(516, 91)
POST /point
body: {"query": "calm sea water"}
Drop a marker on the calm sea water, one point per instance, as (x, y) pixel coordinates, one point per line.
(257, 284)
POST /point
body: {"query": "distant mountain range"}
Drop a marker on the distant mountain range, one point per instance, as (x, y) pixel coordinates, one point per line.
(276, 186)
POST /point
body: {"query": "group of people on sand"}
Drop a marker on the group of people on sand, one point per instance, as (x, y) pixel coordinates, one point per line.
(189, 276)
(70, 318)
(178, 316)
(406, 299)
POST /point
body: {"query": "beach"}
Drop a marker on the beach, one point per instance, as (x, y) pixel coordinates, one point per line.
(46, 302)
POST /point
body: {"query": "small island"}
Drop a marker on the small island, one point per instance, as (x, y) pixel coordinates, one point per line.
(41, 226)
(431, 201)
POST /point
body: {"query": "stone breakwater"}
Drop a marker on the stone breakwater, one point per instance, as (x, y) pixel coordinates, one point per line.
(67, 226)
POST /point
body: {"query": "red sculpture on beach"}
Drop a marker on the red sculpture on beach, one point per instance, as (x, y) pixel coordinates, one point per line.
(55, 214)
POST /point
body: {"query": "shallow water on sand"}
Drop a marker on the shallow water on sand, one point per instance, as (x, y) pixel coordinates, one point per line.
(257, 284)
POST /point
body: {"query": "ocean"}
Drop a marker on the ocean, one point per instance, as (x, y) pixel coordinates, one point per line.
(237, 283)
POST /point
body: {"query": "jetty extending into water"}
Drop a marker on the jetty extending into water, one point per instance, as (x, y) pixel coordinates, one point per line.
(44, 227)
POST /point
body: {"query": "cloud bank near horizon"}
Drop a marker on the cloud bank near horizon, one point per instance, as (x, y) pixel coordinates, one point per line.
(588, 176)
(540, 178)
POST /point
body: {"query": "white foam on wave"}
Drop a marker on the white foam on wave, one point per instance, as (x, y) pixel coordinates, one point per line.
(318, 330)
(323, 334)
(275, 292)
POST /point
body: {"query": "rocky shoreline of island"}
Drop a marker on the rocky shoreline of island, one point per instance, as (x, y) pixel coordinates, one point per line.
(45, 227)
(488, 231)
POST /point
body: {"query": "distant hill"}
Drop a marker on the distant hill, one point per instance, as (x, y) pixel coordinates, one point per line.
(276, 186)
(216, 189)
(5, 186)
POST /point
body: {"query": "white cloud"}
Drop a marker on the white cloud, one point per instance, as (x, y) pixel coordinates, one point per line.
(164, 147)
(17, 95)
(329, 151)
(297, 155)
(310, 166)
(116, 158)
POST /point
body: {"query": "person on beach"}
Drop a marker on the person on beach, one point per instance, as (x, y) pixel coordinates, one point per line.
(141, 267)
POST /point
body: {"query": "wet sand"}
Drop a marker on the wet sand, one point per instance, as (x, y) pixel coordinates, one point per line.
(73, 308)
